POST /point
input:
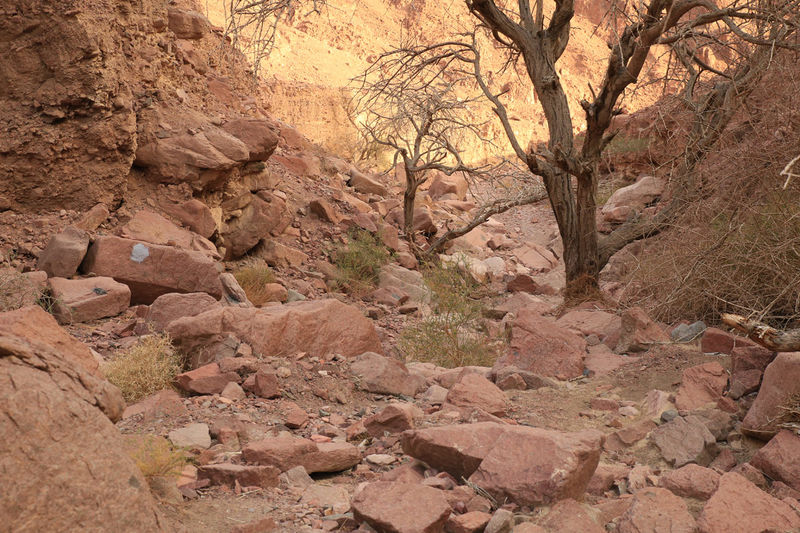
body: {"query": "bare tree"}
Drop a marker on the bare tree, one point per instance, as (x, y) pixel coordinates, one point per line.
(753, 30)
(418, 101)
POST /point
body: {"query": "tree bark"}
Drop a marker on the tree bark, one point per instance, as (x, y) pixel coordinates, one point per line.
(771, 338)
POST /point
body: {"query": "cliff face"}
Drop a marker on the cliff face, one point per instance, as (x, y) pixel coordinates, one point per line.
(307, 75)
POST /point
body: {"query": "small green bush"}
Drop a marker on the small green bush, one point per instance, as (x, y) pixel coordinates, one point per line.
(359, 262)
(453, 334)
(144, 369)
(253, 280)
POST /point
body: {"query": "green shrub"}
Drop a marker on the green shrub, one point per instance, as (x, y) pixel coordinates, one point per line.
(253, 280)
(453, 334)
(145, 368)
(359, 262)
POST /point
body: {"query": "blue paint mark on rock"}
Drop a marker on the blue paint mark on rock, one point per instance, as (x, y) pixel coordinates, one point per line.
(139, 253)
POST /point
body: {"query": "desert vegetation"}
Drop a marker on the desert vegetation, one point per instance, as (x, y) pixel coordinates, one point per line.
(145, 368)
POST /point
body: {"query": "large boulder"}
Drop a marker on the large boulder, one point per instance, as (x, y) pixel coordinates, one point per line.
(260, 136)
(82, 300)
(779, 458)
(384, 375)
(261, 214)
(147, 226)
(656, 509)
(394, 507)
(605, 325)
(633, 198)
(287, 452)
(151, 270)
(529, 466)
(738, 505)
(685, 440)
(473, 390)
(455, 184)
(170, 307)
(64, 253)
(62, 458)
(781, 382)
(542, 347)
(318, 327)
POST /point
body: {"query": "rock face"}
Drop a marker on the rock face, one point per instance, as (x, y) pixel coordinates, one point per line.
(539, 346)
(779, 458)
(43, 82)
(529, 466)
(82, 300)
(738, 505)
(401, 507)
(318, 327)
(52, 425)
(152, 270)
(781, 381)
(64, 253)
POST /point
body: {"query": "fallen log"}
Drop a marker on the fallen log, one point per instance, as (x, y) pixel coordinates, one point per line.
(769, 337)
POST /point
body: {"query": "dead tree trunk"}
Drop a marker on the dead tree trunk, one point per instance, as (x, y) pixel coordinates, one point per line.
(771, 338)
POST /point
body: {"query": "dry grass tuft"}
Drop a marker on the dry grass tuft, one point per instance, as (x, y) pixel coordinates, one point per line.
(254, 280)
(359, 262)
(16, 290)
(453, 334)
(155, 456)
(144, 369)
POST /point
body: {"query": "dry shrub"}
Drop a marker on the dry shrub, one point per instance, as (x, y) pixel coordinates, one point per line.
(145, 368)
(155, 456)
(736, 248)
(790, 414)
(254, 280)
(359, 261)
(16, 290)
(453, 334)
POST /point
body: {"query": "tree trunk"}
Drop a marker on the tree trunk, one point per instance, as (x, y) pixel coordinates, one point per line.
(771, 338)
(409, 197)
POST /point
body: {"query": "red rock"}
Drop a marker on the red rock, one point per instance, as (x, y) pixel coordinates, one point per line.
(605, 476)
(539, 346)
(632, 198)
(152, 270)
(738, 505)
(477, 391)
(332, 457)
(64, 253)
(401, 507)
(169, 307)
(655, 509)
(752, 474)
(472, 522)
(691, 481)
(259, 136)
(247, 476)
(700, 385)
(92, 219)
(150, 227)
(536, 257)
(780, 458)
(264, 525)
(656, 402)
(394, 418)
(162, 403)
(366, 184)
(442, 184)
(317, 327)
(63, 461)
(639, 332)
(523, 283)
(569, 516)
(187, 24)
(384, 375)
(263, 214)
(43, 333)
(628, 436)
(745, 382)
(601, 361)
(604, 325)
(83, 300)
(325, 211)
(685, 440)
(724, 462)
(718, 341)
(195, 215)
(747, 369)
(781, 381)
(604, 404)
(423, 221)
(205, 380)
(282, 452)
(294, 417)
(533, 466)
(513, 381)
(266, 385)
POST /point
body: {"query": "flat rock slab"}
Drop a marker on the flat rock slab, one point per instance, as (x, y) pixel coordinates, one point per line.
(151, 270)
(656, 509)
(318, 327)
(287, 452)
(82, 300)
(685, 440)
(401, 507)
(247, 475)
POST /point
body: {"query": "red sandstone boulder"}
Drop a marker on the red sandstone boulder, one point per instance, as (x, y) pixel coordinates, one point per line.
(605, 325)
(170, 307)
(82, 300)
(655, 509)
(701, 385)
(632, 198)
(639, 332)
(259, 136)
(147, 226)
(685, 440)
(195, 215)
(287, 452)
(152, 270)
(394, 418)
(246, 475)
(540, 346)
(64, 253)
(570, 516)
(401, 507)
(261, 215)
(780, 458)
(473, 390)
(738, 505)
(206, 380)
(384, 375)
(781, 382)
(187, 24)
(318, 327)
(691, 481)
(718, 341)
